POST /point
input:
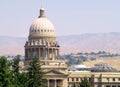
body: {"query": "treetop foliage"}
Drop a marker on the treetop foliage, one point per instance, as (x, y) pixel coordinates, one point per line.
(85, 83)
(11, 77)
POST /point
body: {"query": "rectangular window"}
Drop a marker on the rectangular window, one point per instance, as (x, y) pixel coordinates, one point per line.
(113, 79)
(72, 79)
(89, 79)
(119, 79)
(107, 85)
(68, 79)
(113, 85)
(108, 79)
(76, 79)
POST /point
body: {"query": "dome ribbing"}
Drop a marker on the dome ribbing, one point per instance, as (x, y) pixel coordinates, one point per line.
(42, 27)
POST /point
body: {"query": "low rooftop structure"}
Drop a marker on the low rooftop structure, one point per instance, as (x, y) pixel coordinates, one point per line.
(103, 67)
(78, 68)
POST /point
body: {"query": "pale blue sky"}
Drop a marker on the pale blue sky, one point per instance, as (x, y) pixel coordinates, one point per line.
(68, 16)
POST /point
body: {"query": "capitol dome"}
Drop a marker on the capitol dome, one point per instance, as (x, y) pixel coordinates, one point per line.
(42, 27)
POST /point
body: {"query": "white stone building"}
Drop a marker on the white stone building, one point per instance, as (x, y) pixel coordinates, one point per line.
(42, 43)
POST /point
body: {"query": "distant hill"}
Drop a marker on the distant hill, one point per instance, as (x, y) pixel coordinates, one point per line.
(109, 42)
(11, 45)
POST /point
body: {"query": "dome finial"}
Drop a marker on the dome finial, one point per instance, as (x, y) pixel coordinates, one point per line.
(42, 11)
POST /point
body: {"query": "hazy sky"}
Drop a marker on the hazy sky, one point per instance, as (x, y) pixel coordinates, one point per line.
(68, 16)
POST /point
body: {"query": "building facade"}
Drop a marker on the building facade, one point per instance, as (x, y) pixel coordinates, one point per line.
(42, 43)
(97, 79)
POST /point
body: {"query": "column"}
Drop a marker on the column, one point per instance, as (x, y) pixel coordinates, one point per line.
(26, 53)
(61, 83)
(32, 50)
(30, 53)
(39, 53)
(55, 53)
(37, 50)
(43, 52)
(55, 83)
(47, 54)
(52, 54)
(48, 83)
(58, 54)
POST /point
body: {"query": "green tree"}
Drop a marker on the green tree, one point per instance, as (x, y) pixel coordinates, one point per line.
(10, 75)
(15, 65)
(74, 85)
(5, 73)
(19, 79)
(15, 69)
(85, 83)
(35, 73)
(23, 80)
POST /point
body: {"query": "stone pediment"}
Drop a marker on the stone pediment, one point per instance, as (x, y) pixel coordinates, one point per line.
(54, 72)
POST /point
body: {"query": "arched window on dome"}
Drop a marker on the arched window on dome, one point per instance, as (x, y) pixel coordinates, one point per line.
(41, 30)
(35, 30)
(38, 31)
(48, 30)
(44, 30)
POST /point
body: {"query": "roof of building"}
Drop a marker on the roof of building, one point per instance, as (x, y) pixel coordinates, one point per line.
(42, 27)
(102, 67)
(78, 68)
